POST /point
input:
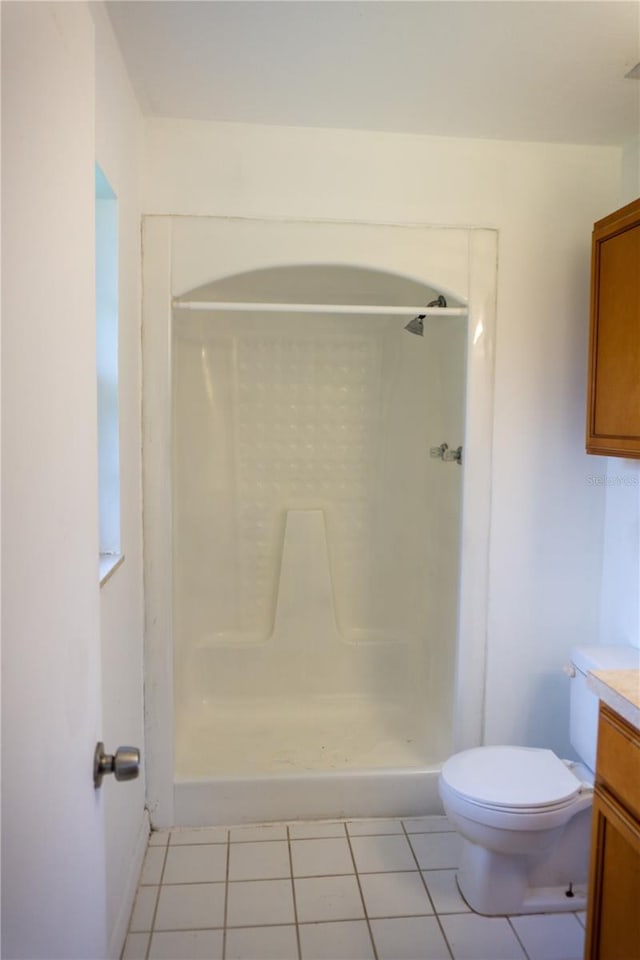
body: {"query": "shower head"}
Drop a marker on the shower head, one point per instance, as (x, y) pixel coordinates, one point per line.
(416, 326)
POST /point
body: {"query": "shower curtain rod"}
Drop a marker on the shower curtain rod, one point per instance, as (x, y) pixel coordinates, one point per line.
(338, 308)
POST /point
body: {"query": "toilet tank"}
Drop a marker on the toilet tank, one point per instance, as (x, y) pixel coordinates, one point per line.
(583, 723)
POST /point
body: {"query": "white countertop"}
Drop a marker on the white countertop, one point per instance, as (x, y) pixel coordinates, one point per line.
(620, 690)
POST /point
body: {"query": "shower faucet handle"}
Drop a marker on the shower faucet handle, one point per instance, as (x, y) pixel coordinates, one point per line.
(439, 453)
(451, 455)
(444, 453)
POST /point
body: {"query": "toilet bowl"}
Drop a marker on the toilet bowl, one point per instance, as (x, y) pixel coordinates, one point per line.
(513, 796)
(512, 807)
(524, 815)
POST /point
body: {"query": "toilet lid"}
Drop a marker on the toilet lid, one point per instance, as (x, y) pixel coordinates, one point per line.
(510, 777)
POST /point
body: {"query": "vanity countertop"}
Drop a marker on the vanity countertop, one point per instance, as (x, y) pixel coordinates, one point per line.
(620, 690)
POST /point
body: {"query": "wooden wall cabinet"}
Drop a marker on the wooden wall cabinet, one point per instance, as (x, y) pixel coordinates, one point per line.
(613, 402)
(613, 913)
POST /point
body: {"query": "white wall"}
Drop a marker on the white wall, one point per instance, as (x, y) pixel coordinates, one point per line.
(118, 151)
(620, 605)
(630, 185)
(53, 874)
(547, 523)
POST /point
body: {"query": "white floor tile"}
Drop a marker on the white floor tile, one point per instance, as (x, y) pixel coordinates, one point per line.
(192, 945)
(152, 865)
(444, 892)
(181, 836)
(267, 943)
(314, 830)
(372, 828)
(259, 902)
(265, 831)
(135, 946)
(436, 851)
(550, 936)
(190, 906)
(159, 838)
(409, 938)
(348, 940)
(315, 858)
(427, 825)
(328, 898)
(196, 864)
(143, 909)
(374, 854)
(259, 861)
(472, 937)
(394, 894)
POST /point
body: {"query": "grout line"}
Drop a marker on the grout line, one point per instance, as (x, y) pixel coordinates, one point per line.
(210, 843)
(135, 933)
(226, 896)
(426, 833)
(155, 909)
(515, 932)
(334, 836)
(187, 883)
(293, 892)
(195, 883)
(364, 905)
(394, 916)
(303, 876)
(435, 869)
(289, 923)
(424, 883)
(268, 840)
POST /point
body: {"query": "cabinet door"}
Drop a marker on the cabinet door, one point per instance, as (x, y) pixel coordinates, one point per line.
(613, 416)
(613, 929)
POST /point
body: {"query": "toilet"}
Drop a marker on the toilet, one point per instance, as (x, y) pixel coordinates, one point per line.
(524, 814)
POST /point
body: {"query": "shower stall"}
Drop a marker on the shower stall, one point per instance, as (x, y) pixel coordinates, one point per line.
(315, 549)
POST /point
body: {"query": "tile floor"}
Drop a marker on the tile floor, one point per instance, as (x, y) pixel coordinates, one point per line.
(348, 890)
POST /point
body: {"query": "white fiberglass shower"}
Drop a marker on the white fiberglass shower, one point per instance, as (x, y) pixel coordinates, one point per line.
(304, 527)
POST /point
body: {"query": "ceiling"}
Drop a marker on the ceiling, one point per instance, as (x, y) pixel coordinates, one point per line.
(545, 70)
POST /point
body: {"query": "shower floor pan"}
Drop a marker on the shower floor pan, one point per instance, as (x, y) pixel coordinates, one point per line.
(302, 759)
(296, 735)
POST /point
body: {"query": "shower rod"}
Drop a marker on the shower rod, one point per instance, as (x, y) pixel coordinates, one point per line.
(337, 308)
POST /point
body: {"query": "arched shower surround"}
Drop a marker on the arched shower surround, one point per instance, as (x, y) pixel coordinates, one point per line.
(315, 577)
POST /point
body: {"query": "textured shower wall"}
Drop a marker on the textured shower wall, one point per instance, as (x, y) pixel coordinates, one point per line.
(267, 422)
(277, 414)
(306, 418)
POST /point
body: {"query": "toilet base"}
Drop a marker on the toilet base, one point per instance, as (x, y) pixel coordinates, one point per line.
(495, 884)
(542, 900)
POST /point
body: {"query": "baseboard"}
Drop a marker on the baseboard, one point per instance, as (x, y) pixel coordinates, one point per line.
(119, 932)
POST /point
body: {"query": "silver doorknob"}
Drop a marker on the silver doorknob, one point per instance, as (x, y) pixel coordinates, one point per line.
(124, 763)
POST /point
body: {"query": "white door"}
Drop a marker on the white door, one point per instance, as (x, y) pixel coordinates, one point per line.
(53, 881)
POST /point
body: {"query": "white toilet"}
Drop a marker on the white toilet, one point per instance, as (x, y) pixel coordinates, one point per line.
(525, 815)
